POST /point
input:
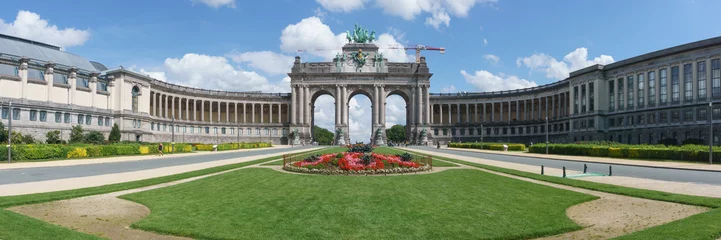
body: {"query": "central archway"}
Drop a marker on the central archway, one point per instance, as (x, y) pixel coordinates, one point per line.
(323, 118)
(360, 118)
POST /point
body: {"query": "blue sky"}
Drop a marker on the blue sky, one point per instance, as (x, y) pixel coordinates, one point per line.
(246, 45)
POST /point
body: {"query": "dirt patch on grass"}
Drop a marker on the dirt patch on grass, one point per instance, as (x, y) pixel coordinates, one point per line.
(102, 215)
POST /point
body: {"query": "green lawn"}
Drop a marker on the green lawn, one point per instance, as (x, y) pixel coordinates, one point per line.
(390, 150)
(265, 204)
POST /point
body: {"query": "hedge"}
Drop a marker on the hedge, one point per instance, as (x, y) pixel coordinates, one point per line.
(489, 146)
(34, 152)
(689, 153)
(232, 146)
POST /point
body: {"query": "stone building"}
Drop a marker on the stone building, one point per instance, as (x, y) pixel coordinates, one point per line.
(663, 94)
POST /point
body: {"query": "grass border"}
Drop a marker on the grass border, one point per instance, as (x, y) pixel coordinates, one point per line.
(700, 226)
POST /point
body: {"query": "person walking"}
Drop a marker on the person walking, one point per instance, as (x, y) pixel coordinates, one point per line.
(160, 149)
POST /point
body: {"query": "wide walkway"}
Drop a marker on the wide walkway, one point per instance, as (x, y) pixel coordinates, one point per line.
(637, 171)
(44, 171)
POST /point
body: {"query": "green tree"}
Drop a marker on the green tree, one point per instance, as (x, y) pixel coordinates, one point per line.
(28, 139)
(397, 133)
(323, 136)
(94, 137)
(114, 136)
(52, 137)
(3, 133)
(77, 135)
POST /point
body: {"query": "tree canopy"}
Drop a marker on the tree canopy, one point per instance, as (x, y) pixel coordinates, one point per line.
(397, 133)
(323, 136)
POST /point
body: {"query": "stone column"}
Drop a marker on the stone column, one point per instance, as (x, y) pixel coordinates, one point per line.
(450, 121)
(172, 107)
(419, 105)
(307, 105)
(293, 105)
(202, 110)
(345, 106)
(413, 105)
(509, 111)
(111, 86)
(245, 113)
(493, 112)
(483, 116)
(440, 111)
(262, 113)
(382, 118)
(49, 80)
(337, 105)
(458, 113)
(187, 109)
(252, 109)
(302, 107)
(270, 113)
(375, 107)
(468, 113)
(23, 72)
(94, 89)
(518, 111)
(429, 111)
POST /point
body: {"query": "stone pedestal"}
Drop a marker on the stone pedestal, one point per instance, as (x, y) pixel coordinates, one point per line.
(340, 139)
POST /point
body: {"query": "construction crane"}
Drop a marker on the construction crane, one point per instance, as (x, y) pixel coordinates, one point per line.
(417, 47)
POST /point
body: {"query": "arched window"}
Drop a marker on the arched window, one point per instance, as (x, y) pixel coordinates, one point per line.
(136, 93)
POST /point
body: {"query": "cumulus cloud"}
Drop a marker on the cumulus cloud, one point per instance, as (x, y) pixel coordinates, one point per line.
(324, 112)
(315, 37)
(449, 89)
(267, 61)
(555, 69)
(486, 82)
(493, 59)
(437, 19)
(157, 75)
(216, 3)
(29, 25)
(341, 5)
(395, 111)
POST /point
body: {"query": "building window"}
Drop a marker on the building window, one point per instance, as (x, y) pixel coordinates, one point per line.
(136, 93)
(9, 70)
(102, 86)
(66, 117)
(611, 122)
(651, 118)
(177, 128)
(232, 131)
(675, 94)
(100, 121)
(701, 80)
(620, 94)
(611, 99)
(82, 82)
(222, 130)
(591, 107)
(620, 122)
(687, 115)
(192, 129)
(33, 115)
(185, 129)
(257, 131)
(640, 87)
(207, 130)
(152, 126)
(716, 113)
(701, 115)
(650, 138)
(663, 83)
(5, 113)
(215, 130)
(107, 121)
(267, 132)
(165, 127)
(81, 118)
(275, 132)
(688, 82)
(575, 99)
(58, 117)
(641, 120)
(36, 74)
(629, 90)
(249, 132)
(715, 78)
(652, 88)
(675, 117)
(583, 98)
(88, 119)
(135, 124)
(663, 118)
(60, 78)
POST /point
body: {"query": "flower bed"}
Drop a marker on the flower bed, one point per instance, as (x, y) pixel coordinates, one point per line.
(357, 163)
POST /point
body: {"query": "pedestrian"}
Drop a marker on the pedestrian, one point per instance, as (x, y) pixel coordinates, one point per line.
(160, 149)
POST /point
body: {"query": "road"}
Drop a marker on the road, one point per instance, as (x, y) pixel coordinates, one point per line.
(23, 175)
(675, 175)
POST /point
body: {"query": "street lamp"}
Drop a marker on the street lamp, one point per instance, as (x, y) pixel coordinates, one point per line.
(172, 134)
(10, 130)
(710, 133)
(482, 130)
(546, 135)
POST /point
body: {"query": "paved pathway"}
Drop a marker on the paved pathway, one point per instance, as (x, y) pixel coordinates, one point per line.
(76, 168)
(664, 174)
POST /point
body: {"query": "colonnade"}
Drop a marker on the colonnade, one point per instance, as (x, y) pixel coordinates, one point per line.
(183, 108)
(531, 109)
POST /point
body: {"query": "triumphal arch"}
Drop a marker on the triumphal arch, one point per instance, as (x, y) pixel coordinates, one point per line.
(361, 69)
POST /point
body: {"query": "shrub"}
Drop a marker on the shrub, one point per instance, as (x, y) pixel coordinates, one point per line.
(76, 134)
(78, 153)
(94, 137)
(28, 139)
(3, 134)
(668, 141)
(52, 137)
(144, 150)
(114, 135)
(490, 146)
(406, 157)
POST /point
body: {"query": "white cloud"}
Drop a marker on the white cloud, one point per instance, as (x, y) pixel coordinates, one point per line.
(29, 25)
(485, 42)
(341, 5)
(395, 111)
(214, 72)
(324, 112)
(449, 89)
(319, 13)
(555, 69)
(216, 3)
(438, 18)
(493, 59)
(486, 82)
(267, 61)
(312, 35)
(359, 119)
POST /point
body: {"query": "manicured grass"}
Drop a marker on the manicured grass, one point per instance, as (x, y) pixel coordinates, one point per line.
(435, 162)
(700, 226)
(266, 204)
(18, 226)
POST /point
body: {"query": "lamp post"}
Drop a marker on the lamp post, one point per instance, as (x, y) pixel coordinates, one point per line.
(546, 135)
(710, 133)
(10, 130)
(172, 135)
(482, 130)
